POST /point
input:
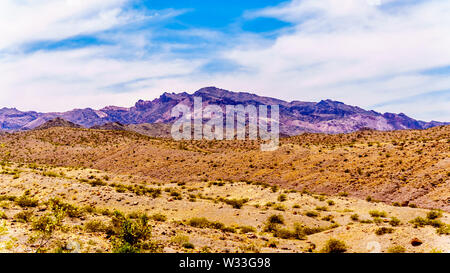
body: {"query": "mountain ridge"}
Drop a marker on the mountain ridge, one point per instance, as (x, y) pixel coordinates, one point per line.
(296, 117)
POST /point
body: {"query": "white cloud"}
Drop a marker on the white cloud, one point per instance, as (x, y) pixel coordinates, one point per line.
(26, 21)
(349, 50)
(340, 49)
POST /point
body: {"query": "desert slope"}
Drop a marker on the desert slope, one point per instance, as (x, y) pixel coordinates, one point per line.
(408, 167)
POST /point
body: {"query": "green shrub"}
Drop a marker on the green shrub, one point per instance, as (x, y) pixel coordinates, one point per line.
(443, 230)
(328, 218)
(376, 213)
(434, 214)
(276, 219)
(247, 229)
(199, 222)
(97, 183)
(188, 245)
(396, 249)
(273, 222)
(205, 223)
(132, 234)
(3, 215)
(159, 217)
(311, 214)
(235, 203)
(26, 201)
(24, 216)
(334, 246)
(354, 217)
(282, 197)
(95, 226)
(283, 233)
(383, 230)
(279, 207)
(71, 210)
(394, 222)
(419, 222)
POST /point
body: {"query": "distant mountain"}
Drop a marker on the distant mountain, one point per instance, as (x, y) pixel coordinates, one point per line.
(296, 117)
(113, 126)
(57, 122)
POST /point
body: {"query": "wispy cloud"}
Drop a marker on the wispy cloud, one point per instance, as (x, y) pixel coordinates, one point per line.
(64, 54)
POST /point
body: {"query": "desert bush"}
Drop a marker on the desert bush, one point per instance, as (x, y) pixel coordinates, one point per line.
(199, 222)
(180, 239)
(276, 219)
(97, 183)
(8, 198)
(279, 207)
(95, 226)
(46, 225)
(282, 197)
(283, 233)
(383, 230)
(159, 217)
(434, 214)
(394, 222)
(328, 218)
(273, 222)
(311, 214)
(354, 217)
(419, 222)
(188, 245)
(132, 235)
(376, 213)
(24, 216)
(396, 249)
(51, 174)
(247, 229)
(443, 230)
(334, 246)
(3, 215)
(235, 203)
(26, 201)
(71, 210)
(205, 223)
(176, 195)
(321, 208)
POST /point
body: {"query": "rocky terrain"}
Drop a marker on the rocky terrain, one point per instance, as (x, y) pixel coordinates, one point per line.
(296, 117)
(68, 189)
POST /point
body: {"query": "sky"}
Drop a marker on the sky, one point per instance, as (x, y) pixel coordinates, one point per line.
(383, 55)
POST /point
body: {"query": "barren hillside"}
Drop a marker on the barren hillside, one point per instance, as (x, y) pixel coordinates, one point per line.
(409, 167)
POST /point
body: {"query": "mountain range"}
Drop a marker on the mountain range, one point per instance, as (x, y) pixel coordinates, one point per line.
(296, 117)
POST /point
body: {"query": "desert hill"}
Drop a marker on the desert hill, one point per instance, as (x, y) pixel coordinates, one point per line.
(57, 122)
(74, 190)
(409, 167)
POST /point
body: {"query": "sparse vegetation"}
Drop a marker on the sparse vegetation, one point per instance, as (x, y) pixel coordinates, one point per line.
(396, 249)
(335, 246)
(70, 183)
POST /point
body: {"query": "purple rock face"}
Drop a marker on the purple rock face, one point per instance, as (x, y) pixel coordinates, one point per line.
(295, 117)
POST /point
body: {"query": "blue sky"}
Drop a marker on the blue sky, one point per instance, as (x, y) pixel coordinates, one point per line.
(386, 55)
